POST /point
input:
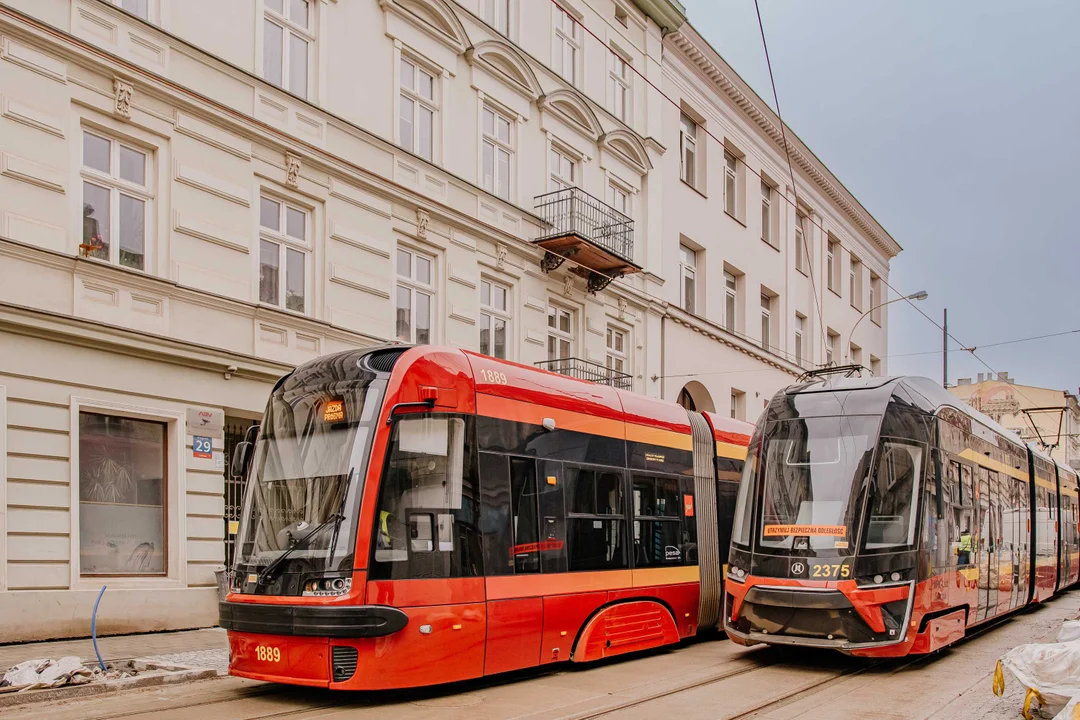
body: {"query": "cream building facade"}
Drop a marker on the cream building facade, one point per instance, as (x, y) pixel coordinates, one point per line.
(1041, 416)
(190, 208)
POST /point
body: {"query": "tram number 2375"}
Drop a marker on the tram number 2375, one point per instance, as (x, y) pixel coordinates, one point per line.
(817, 570)
(267, 654)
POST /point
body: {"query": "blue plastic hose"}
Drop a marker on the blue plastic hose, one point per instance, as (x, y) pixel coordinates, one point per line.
(93, 628)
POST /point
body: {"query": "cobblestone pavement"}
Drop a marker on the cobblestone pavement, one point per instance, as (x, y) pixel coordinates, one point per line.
(216, 659)
(121, 646)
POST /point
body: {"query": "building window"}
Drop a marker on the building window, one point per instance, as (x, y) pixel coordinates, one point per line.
(800, 242)
(619, 198)
(832, 347)
(800, 331)
(122, 486)
(767, 230)
(622, 97)
(139, 8)
(283, 244)
(563, 171)
(287, 41)
(616, 350)
(494, 318)
(832, 265)
(875, 366)
(567, 45)
(688, 150)
(875, 293)
(855, 353)
(497, 15)
(498, 152)
(415, 296)
(688, 277)
(731, 293)
(766, 321)
(116, 200)
(738, 411)
(855, 283)
(560, 333)
(731, 174)
(417, 110)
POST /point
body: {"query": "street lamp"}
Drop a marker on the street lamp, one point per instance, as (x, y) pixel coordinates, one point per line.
(921, 295)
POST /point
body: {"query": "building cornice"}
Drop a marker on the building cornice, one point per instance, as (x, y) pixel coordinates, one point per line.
(697, 51)
(670, 15)
(719, 334)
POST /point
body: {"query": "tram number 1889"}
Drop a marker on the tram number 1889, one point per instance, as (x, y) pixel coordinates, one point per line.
(267, 654)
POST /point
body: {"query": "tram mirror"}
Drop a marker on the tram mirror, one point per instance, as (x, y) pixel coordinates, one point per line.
(239, 461)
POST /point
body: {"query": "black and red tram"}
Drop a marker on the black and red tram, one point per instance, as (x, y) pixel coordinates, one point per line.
(423, 515)
(885, 517)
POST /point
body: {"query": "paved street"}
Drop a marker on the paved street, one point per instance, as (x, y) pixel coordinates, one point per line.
(706, 679)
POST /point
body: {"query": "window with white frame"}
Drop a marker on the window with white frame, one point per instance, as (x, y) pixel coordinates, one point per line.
(688, 277)
(619, 198)
(417, 109)
(283, 254)
(617, 360)
(498, 152)
(139, 8)
(116, 200)
(567, 50)
(731, 295)
(875, 366)
(415, 296)
(766, 213)
(123, 477)
(288, 36)
(563, 170)
(560, 344)
(494, 318)
(855, 353)
(766, 321)
(855, 283)
(875, 294)
(832, 265)
(800, 242)
(800, 331)
(731, 174)
(688, 150)
(497, 15)
(622, 97)
(738, 412)
(832, 346)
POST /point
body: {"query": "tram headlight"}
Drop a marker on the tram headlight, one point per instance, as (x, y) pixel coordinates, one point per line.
(736, 573)
(327, 587)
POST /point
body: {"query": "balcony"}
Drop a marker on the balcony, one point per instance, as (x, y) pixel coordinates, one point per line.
(595, 236)
(590, 371)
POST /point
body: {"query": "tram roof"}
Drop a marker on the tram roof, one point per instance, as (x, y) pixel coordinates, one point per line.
(914, 390)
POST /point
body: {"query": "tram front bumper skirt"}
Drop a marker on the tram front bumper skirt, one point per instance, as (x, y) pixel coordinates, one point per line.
(840, 616)
(329, 621)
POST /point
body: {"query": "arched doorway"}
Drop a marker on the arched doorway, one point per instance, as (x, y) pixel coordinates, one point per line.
(694, 396)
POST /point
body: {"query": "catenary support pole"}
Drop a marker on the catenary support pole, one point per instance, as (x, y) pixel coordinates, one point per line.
(945, 349)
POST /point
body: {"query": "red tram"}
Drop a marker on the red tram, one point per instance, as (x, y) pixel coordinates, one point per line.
(884, 517)
(424, 515)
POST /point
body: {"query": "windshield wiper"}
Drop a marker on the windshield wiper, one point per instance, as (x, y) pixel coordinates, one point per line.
(267, 573)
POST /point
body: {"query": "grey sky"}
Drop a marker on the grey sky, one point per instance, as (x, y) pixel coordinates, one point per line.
(957, 124)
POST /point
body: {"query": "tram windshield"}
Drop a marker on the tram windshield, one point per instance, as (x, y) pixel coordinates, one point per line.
(812, 476)
(307, 478)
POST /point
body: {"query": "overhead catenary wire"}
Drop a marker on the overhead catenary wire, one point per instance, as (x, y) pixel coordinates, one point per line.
(988, 345)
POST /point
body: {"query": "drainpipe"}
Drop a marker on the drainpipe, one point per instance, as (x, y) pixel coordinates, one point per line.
(663, 353)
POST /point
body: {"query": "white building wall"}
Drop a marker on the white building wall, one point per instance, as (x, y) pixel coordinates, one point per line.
(188, 332)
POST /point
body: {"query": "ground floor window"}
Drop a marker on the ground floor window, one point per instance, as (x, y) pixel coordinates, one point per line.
(122, 480)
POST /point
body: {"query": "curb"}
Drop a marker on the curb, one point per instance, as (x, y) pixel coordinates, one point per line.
(106, 687)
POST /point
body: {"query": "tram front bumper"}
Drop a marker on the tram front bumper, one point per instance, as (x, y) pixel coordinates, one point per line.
(840, 616)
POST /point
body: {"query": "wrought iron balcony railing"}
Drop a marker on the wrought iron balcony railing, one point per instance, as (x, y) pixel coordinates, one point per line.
(590, 371)
(573, 212)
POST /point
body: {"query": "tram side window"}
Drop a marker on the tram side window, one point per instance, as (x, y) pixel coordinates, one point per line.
(728, 472)
(892, 494)
(596, 532)
(658, 527)
(967, 529)
(495, 516)
(427, 516)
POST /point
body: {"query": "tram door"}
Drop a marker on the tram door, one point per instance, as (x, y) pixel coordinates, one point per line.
(1022, 551)
(987, 552)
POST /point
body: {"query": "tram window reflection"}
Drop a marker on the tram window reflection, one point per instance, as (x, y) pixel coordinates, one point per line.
(892, 495)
